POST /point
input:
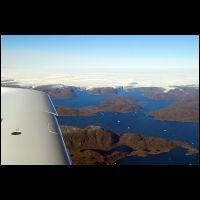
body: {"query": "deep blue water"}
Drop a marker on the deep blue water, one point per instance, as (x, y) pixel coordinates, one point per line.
(137, 122)
(83, 99)
(174, 157)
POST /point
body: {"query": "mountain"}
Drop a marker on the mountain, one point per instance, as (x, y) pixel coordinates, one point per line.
(94, 145)
(186, 108)
(121, 104)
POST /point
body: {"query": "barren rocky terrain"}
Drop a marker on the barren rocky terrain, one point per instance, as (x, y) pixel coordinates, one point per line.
(120, 104)
(94, 145)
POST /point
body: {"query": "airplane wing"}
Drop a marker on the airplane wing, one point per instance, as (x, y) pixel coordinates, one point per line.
(30, 134)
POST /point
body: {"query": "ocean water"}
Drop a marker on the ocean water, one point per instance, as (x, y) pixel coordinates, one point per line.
(137, 122)
(174, 157)
(83, 99)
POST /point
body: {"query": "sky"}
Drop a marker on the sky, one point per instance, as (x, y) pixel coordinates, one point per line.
(101, 60)
(141, 54)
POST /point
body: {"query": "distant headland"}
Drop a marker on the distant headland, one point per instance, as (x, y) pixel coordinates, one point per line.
(186, 108)
(121, 104)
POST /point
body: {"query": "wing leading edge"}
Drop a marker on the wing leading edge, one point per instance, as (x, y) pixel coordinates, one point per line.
(30, 134)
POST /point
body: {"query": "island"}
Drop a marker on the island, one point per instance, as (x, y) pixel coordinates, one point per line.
(94, 145)
(121, 104)
(186, 108)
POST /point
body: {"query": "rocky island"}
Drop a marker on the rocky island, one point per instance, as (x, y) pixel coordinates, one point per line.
(186, 108)
(94, 145)
(120, 104)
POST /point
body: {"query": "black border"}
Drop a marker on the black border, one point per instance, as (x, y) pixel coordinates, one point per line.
(143, 20)
(137, 19)
(136, 172)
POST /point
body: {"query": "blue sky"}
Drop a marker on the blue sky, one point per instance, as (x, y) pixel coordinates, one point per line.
(95, 53)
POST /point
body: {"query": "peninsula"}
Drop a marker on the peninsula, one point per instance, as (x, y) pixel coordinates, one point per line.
(94, 145)
(121, 104)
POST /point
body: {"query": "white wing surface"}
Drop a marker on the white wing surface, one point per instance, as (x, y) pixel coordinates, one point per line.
(30, 134)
